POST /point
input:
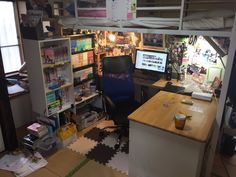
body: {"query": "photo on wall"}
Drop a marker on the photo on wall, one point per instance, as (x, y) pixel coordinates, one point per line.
(153, 40)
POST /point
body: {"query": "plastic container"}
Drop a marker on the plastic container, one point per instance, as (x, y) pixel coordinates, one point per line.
(180, 120)
(67, 134)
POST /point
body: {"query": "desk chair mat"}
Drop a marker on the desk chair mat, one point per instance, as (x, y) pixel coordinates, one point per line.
(101, 149)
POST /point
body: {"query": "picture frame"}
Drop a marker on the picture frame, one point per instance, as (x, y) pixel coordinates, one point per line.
(213, 72)
(216, 83)
(153, 40)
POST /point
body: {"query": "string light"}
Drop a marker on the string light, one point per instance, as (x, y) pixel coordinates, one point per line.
(112, 37)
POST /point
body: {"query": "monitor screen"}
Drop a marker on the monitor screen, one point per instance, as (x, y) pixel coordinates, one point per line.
(151, 60)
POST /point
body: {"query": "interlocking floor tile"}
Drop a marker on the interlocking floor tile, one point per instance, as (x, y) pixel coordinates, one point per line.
(110, 140)
(120, 162)
(101, 153)
(94, 134)
(83, 145)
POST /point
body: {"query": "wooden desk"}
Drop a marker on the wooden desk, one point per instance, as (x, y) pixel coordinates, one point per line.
(162, 83)
(157, 148)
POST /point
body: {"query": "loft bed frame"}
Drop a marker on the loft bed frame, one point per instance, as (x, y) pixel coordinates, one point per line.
(174, 17)
(185, 8)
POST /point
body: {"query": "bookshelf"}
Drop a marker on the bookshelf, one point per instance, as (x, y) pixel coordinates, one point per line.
(50, 75)
(84, 75)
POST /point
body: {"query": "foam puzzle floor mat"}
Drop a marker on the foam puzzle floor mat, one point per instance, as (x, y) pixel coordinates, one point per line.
(101, 148)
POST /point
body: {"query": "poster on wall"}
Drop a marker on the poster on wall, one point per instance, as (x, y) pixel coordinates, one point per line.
(202, 54)
(153, 40)
(210, 56)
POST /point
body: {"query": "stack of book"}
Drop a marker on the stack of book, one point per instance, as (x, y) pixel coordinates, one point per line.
(36, 132)
(42, 135)
(37, 129)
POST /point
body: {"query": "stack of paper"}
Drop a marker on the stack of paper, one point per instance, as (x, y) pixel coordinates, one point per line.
(15, 89)
(21, 165)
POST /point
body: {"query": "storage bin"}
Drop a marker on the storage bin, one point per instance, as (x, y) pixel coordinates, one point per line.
(67, 134)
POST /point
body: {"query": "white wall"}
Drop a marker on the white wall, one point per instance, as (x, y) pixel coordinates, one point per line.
(21, 110)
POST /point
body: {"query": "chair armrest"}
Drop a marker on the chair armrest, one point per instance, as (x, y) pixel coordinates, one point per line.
(110, 107)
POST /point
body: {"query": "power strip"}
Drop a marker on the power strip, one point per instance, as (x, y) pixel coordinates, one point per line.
(202, 96)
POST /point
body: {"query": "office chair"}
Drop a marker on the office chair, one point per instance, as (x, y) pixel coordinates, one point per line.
(118, 93)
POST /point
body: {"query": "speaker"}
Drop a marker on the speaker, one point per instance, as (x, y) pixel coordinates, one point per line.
(168, 73)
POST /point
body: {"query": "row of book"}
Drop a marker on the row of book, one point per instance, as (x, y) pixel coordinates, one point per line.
(82, 59)
(81, 45)
(55, 77)
(83, 75)
(62, 95)
(55, 54)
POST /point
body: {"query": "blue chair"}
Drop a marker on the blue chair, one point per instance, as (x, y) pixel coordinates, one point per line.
(118, 92)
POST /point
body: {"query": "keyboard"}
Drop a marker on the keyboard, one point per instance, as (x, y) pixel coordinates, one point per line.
(174, 88)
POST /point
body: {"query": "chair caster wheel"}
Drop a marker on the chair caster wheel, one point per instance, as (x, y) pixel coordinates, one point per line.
(101, 134)
(117, 146)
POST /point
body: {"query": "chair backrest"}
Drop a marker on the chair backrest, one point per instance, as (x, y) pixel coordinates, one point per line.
(117, 78)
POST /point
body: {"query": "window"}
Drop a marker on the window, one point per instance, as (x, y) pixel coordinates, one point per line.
(9, 43)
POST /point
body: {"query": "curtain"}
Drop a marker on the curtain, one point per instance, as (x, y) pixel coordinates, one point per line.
(8, 37)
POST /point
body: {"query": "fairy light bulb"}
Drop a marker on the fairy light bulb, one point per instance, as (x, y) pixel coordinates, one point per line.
(112, 37)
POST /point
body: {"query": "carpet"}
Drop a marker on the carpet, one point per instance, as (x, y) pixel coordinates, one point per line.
(101, 149)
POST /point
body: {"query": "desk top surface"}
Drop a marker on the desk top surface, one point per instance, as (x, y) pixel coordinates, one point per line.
(162, 83)
(159, 112)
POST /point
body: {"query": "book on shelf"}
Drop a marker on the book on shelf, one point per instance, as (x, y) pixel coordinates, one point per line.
(83, 74)
(82, 44)
(82, 59)
(56, 77)
(54, 107)
(54, 54)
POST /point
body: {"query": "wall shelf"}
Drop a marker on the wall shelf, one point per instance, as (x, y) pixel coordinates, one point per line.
(84, 99)
(61, 87)
(57, 64)
(83, 81)
(74, 53)
(83, 67)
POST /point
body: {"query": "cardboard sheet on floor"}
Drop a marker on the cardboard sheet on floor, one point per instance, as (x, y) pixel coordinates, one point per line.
(6, 173)
(92, 169)
(43, 172)
(63, 161)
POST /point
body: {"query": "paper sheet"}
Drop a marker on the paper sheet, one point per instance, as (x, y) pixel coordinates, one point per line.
(21, 165)
(15, 89)
(12, 162)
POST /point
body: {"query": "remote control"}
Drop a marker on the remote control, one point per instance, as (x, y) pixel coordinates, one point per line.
(189, 102)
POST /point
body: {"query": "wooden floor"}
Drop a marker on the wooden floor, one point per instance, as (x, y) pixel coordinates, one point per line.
(224, 166)
(63, 161)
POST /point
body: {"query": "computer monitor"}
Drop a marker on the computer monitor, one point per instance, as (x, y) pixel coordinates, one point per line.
(151, 60)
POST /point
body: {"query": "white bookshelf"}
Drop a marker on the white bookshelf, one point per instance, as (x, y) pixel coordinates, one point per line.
(50, 75)
(84, 73)
(84, 99)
